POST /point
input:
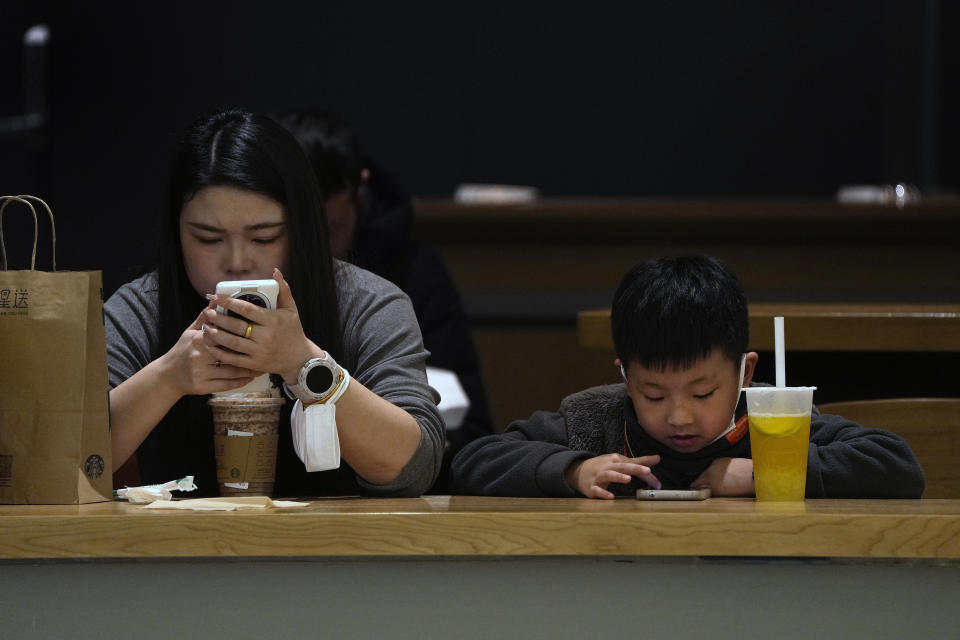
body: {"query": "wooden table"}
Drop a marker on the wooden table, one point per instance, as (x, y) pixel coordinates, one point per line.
(471, 567)
(476, 526)
(817, 326)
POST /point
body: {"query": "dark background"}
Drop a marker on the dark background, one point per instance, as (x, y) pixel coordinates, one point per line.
(601, 98)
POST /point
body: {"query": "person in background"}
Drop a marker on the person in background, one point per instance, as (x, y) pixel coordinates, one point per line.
(370, 220)
(680, 330)
(243, 204)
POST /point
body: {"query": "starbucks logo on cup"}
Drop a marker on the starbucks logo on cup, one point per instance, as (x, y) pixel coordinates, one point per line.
(93, 467)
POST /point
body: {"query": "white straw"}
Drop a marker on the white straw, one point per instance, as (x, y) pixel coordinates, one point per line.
(778, 351)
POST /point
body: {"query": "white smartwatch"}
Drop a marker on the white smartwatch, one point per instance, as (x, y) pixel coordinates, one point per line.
(321, 380)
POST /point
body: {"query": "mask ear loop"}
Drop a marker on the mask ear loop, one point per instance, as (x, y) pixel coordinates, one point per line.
(733, 423)
(743, 366)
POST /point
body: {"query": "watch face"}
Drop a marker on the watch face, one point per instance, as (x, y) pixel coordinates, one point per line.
(319, 379)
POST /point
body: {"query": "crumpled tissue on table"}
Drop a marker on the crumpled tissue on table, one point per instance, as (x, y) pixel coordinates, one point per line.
(151, 492)
(224, 504)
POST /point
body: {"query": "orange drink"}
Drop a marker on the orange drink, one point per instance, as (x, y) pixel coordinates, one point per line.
(779, 440)
(779, 445)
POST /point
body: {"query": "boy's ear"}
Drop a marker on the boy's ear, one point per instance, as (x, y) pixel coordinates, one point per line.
(619, 366)
(749, 366)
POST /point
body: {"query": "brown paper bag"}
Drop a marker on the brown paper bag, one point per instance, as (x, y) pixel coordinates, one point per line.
(54, 404)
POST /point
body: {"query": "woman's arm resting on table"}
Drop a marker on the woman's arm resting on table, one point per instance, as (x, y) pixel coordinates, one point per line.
(377, 439)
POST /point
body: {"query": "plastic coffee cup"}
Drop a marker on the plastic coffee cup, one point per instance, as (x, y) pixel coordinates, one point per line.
(245, 429)
(779, 440)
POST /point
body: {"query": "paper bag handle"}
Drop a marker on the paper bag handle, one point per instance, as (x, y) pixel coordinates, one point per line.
(25, 199)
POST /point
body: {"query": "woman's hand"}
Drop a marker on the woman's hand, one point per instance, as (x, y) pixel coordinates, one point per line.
(141, 401)
(592, 476)
(191, 369)
(262, 340)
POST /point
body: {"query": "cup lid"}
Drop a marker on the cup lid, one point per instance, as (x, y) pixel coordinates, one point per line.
(257, 400)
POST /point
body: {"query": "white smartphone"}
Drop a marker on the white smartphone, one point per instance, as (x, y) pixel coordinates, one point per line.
(673, 494)
(262, 293)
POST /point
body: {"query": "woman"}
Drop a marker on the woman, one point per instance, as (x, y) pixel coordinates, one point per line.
(370, 220)
(242, 205)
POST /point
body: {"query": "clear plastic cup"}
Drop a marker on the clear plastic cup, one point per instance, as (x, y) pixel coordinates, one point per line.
(245, 433)
(779, 440)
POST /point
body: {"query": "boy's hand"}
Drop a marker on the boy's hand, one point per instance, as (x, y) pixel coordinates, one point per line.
(592, 476)
(727, 477)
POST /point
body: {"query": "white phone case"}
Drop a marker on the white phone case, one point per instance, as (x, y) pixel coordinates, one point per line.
(262, 293)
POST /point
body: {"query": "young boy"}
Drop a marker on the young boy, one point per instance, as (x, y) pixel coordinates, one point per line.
(680, 330)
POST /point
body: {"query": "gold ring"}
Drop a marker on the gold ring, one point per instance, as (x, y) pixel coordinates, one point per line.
(249, 331)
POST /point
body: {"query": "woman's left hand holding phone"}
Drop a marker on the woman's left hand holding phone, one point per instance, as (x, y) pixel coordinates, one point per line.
(194, 372)
(262, 340)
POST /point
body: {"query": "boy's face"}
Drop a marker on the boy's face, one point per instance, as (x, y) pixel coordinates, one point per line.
(686, 409)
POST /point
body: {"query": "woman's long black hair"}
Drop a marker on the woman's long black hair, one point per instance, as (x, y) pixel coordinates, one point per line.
(249, 151)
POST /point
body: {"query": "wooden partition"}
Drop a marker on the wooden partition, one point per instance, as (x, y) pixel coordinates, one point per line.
(557, 252)
(830, 326)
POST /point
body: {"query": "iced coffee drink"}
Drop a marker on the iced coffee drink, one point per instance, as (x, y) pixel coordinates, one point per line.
(245, 442)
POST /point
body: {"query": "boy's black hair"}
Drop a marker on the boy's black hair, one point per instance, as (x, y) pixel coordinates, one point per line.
(675, 311)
